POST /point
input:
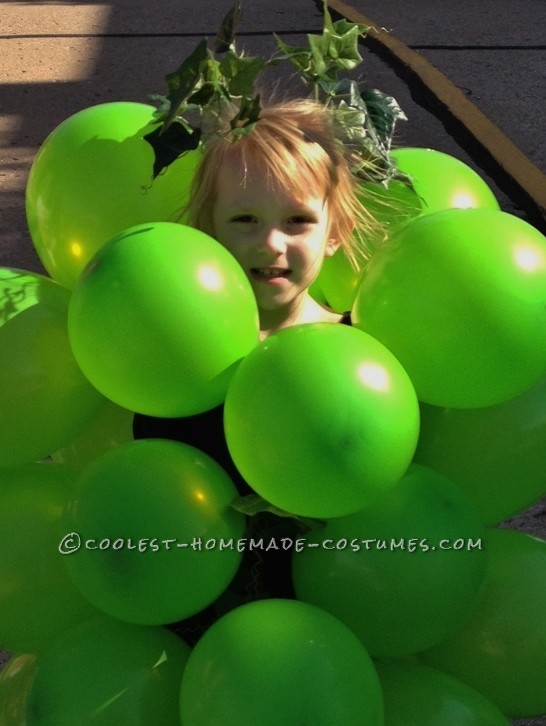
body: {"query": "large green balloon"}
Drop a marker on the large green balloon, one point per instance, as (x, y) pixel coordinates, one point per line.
(92, 178)
(15, 680)
(38, 599)
(150, 518)
(405, 572)
(442, 181)
(458, 296)
(338, 280)
(496, 455)
(501, 650)
(416, 695)
(320, 418)
(45, 400)
(276, 662)
(105, 672)
(160, 319)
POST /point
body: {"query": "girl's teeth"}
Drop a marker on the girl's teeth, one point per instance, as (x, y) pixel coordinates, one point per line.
(269, 273)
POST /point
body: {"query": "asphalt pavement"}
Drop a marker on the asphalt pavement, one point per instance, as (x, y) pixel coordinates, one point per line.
(57, 58)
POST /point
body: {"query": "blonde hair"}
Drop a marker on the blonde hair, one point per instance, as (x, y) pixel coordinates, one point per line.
(295, 144)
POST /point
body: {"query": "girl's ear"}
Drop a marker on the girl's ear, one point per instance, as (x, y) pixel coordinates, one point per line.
(331, 247)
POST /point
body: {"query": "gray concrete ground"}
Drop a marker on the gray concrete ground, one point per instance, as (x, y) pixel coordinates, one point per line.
(57, 57)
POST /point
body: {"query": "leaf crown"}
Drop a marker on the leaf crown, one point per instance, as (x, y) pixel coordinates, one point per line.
(210, 83)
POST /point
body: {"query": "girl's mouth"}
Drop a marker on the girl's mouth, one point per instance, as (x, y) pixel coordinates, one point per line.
(269, 274)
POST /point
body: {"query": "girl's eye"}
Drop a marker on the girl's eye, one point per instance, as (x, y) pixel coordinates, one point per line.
(244, 219)
(300, 219)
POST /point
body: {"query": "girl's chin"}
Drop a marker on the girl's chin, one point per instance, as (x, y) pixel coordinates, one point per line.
(279, 302)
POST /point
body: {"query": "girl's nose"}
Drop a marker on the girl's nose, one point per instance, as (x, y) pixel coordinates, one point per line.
(274, 240)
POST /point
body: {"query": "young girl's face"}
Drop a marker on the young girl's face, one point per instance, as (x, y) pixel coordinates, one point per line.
(278, 236)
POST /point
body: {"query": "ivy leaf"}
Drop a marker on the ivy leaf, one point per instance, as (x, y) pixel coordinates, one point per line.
(170, 144)
(339, 50)
(225, 37)
(336, 48)
(383, 114)
(350, 122)
(241, 73)
(247, 116)
(203, 95)
(350, 92)
(320, 52)
(344, 47)
(203, 88)
(182, 82)
(163, 104)
(300, 57)
(344, 27)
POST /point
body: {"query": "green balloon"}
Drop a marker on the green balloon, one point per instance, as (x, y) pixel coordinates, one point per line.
(338, 281)
(458, 297)
(111, 427)
(320, 419)
(105, 672)
(496, 455)
(37, 597)
(149, 520)
(405, 572)
(416, 695)
(315, 290)
(160, 319)
(501, 650)
(93, 178)
(44, 398)
(443, 181)
(276, 662)
(15, 680)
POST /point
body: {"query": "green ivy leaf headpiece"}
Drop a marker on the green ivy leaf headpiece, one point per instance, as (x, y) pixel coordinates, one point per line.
(204, 87)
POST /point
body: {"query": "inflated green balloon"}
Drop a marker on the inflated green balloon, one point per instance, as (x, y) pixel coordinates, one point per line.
(442, 181)
(105, 672)
(501, 650)
(111, 427)
(45, 400)
(93, 178)
(405, 572)
(277, 662)
(320, 418)
(458, 297)
(496, 455)
(338, 280)
(15, 680)
(160, 319)
(315, 290)
(148, 520)
(416, 695)
(38, 599)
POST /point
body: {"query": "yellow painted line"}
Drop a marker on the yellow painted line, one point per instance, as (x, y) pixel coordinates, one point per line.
(522, 172)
